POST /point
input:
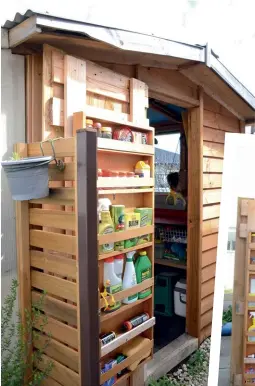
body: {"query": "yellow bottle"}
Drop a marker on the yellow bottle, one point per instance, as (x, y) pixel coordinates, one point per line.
(106, 227)
(252, 328)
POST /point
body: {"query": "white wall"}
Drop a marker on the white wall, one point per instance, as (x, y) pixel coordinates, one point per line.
(12, 131)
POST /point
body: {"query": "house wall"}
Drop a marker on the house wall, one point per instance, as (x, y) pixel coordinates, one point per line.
(217, 121)
(12, 131)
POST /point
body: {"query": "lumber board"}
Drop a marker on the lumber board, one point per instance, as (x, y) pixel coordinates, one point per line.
(58, 67)
(209, 242)
(57, 308)
(53, 241)
(59, 372)
(57, 351)
(66, 175)
(213, 135)
(210, 226)
(138, 101)
(54, 285)
(64, 147)
(209, 257)
(211, 211)
(125, 235)
(212, 165)
(195, 151)
(212, 180)
(212, 149)
(207, 303)
(59, 331)
(211, 196)
(56, 264)
(208, 272)
(206, 318)
(205, 332)
(50, 382)
(52, 218)
(207, 288)
(215, 107)
(221, 122)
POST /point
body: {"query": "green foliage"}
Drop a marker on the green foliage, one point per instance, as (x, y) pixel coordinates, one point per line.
(227, 315)
(17, 341)
(15, 157)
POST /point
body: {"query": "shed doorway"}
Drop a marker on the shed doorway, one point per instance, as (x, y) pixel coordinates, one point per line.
(170, 223)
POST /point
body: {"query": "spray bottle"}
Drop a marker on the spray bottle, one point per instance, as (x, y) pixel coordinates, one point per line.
(129, 278)
(252, 327)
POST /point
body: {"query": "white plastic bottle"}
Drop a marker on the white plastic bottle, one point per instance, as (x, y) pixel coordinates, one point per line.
(112, 282)
(118, 265)
(129, 278)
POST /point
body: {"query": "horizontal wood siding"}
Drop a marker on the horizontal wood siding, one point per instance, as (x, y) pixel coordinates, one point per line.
(217, 121)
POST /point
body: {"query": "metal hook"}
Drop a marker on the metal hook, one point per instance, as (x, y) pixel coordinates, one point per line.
(59, 163)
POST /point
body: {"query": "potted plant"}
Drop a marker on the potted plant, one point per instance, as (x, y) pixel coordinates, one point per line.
(27, 177)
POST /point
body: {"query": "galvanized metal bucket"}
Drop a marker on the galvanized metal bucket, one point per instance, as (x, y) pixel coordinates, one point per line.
(28, 178)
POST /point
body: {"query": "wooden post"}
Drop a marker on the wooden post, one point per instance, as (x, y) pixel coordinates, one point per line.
(195, 158)
(86, 213)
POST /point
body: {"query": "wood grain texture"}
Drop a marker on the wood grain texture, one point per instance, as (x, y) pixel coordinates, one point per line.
(56, 264)
(207, 303)
(212, 180)
(214, 135)
(52, 218)
(212, 149)
(211, 196)
(209, 257)
(211, 211)
(207, 288)
(53, 241)
(209, 242)
(208, 272)
(221, 122)
(210, 226)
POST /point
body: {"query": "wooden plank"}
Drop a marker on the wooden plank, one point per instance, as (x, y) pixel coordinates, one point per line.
(195, 151)
(137, 376)
(126, 337)
(116, 253)
(22, 244)
(138, 101)
(53, 241)
(125, 235)
(213, 135)
(209, 257)
(208, 272)
(211, 211)
(75, 90)
(212, 180)
(212, 149)
(205, 332)
(206, 318)
(66, 175)
(64, 147)
(209, 242)
(79, 121)
(169, 263)
(50, 382)
(207, 288)
(57, 351)
(54, 285)
(215, 107)
(125, 182)
(58, 67)
(59, 331)
(122, 146)
(104, 192)
(57, 308)
(221, 122)
(207, 304)
(212, 165)
(210, 226)
(23, 31)
(56, 264)
(148, 283)
(211, 196)
(52, 218)
(59, 373)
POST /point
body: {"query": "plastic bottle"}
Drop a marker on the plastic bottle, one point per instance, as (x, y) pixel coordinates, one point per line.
(106, 227)
(142, 169)
(112, 282)
(143, 271)
(118, 265)
(129, 279)
(252, 327)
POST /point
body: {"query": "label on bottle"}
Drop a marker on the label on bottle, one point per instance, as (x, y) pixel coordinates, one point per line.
(139, 320)
(145, 274)
(133, 283)
(108, 247)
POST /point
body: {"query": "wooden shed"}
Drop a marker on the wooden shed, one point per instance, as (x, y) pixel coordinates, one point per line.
(75, 70)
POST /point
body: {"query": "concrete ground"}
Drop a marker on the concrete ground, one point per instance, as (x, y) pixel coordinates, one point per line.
(224, 370)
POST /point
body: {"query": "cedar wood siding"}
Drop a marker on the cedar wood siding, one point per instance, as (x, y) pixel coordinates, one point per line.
(216, 122)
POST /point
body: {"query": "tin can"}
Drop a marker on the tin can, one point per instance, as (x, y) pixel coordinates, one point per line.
(136, 321)
(107, 338)
(117, 214)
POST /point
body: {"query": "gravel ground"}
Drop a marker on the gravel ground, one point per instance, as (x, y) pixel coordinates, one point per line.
(193, 372)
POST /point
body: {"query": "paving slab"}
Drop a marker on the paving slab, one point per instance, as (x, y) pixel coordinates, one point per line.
(224, 368)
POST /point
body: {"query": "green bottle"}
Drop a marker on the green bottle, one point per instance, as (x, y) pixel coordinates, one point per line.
(143, 271)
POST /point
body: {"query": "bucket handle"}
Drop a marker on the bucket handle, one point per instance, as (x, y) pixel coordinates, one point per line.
(59, 163)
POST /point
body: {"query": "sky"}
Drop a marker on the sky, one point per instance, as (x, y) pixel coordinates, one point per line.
(228, 25)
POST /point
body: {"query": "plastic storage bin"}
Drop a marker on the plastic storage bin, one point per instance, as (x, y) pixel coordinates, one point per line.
(164, 293)
(180, 298)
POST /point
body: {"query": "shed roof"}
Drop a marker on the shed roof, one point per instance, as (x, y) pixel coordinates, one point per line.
(198, 63)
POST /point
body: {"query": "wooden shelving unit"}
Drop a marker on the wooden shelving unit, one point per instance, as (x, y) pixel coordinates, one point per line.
(169, 263)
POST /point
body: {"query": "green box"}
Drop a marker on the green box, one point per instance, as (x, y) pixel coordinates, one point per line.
(164, 293)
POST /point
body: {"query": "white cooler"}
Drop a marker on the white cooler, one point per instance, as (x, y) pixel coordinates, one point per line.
(180, 290)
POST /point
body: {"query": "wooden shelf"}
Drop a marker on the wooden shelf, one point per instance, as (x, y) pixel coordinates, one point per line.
(170, 263)
(249, 361)
(124, 338)
(106, 316)
(118, 296)
(104, 192)
(125, 235)
(111, 117)
(113, 145)
(116, 253)
(124, 182)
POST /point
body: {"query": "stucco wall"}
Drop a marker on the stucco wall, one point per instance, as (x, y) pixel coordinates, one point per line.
(12, 131)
